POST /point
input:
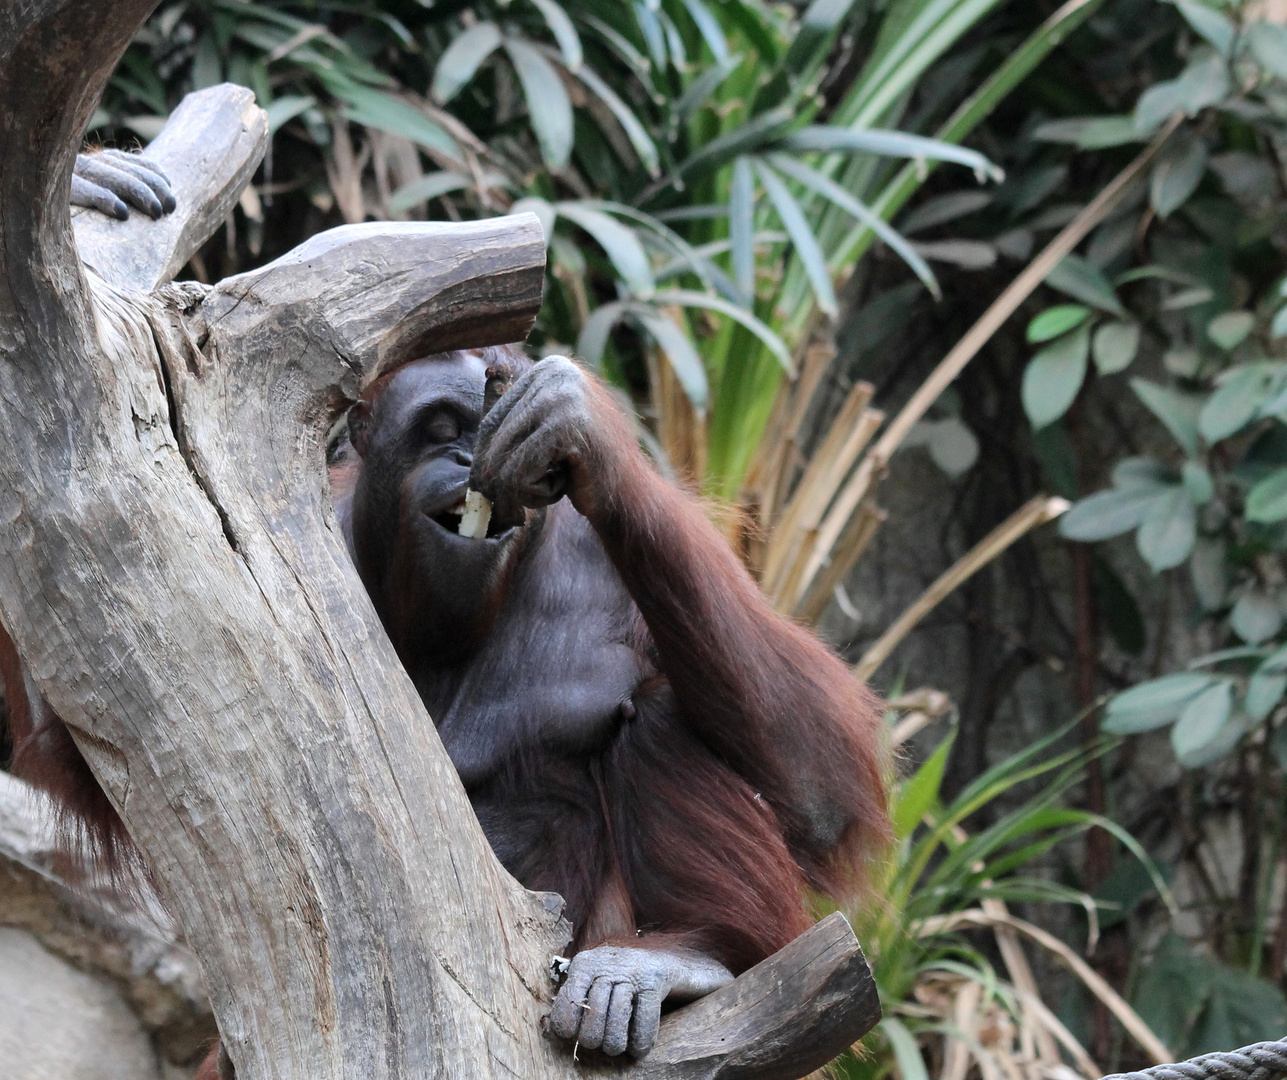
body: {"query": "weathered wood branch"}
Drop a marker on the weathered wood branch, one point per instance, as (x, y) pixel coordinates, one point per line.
(209, 149)
(171, 570)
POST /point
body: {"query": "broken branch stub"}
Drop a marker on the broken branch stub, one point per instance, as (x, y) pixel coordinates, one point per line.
(172, 572)
(209, 149)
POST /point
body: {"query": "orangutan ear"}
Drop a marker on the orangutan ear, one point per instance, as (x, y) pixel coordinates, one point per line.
(360, 426)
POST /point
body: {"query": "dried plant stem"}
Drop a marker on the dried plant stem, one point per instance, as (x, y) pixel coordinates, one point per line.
(1033, 513)
(877, 459)
(848, 550)
(1126, 1016)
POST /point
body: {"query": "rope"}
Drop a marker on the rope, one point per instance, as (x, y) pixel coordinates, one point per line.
(1262, 1061)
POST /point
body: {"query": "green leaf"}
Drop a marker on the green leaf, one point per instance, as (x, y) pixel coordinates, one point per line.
(1242, 1009)
(284, 109)
(1204, 82)
(1114, 346)
(1187, 298)
(1179, 412)
(1085, 282)
(1107, 514)
(384, 112)
(887, 144)
(1230, 330)
(630, 123)
(708, 26)
(1267, 501)
(919, 792)
(462, 59)
(1218, 29)
(680, 353)
(1089, 132)
(619, 242)
(1278, 328)
(1054, 376)
(1197, 482)
(1055, 321)
(1168, 531)
(1142, 474)
(1153, 704)
(593, 339)
(833, 192)
(1208, 571)
(801, 233)
(741, 228)
(1177, 174)
(564, 33)
(1201, 721)
(1268, 43)
(548, 106)
(1263, 693)
(907, 1053)
(741, 315)
(1255, 617)
(1236, 401)
(429, 186)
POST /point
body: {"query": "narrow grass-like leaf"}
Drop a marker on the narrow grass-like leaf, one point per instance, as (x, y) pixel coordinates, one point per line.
(682, 355)
(593, 339)
(625, 116)
(741, 228)
(619, 243)
(429, 186)
(834, 193)
(382, 111)
(888, 144)
(548, 106)
(708, 26)
(801, 233)
(741, 315)
(564, 33)
(284, 109)
(463, 58)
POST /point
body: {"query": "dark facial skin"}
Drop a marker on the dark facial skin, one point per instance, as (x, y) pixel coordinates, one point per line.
(417, 442)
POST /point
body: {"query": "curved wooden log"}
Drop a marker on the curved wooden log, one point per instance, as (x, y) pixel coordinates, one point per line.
(171, 570)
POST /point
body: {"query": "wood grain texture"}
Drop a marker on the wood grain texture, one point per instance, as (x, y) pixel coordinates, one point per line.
(785, 1017)
(172, 571)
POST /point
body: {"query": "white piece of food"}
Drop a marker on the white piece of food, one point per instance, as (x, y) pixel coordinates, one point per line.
(477, 516)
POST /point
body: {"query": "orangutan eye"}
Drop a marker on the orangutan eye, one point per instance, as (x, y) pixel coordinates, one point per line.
(441, 426)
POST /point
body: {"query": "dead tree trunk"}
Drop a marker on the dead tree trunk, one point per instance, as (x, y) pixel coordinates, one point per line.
(171, 570)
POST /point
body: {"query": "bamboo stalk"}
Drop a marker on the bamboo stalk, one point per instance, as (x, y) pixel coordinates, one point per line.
(862, 433)
(844, 441)
(848, 550)
(1035, 512)
(977, 336)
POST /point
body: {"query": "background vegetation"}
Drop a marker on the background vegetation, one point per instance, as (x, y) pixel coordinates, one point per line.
(967, 257)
